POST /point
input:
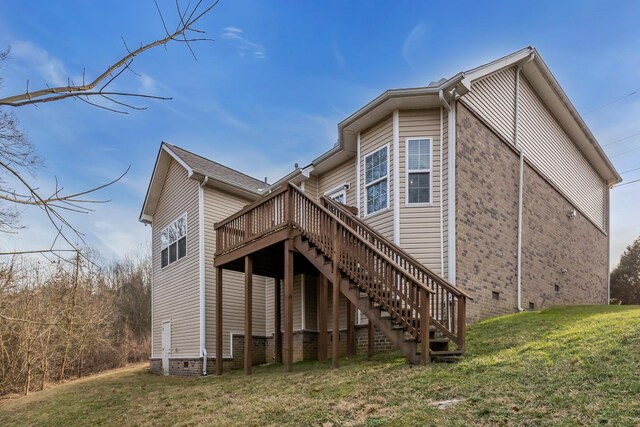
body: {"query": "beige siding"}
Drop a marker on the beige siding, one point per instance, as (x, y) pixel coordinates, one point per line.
(310, 187)
(372, 139)
(217, 206)
(311, 303)
(494, 98)
(547, 146)
(176, 287)
(420, 225)
(342, 174)
(550, 150)
(296, 303)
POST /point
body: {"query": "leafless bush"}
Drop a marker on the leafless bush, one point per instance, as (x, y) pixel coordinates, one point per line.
(70, 318)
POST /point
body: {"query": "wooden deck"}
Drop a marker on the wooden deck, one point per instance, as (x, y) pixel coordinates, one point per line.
(286, 233)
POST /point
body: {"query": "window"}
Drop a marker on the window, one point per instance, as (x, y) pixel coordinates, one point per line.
(339, 194)
(376, 183)
(495, 295)
(173, 241)
(418, 171)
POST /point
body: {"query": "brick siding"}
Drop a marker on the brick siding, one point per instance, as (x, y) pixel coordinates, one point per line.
(487, 176)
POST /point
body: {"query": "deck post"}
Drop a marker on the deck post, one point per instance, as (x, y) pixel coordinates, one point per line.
(322, 318)
(370, 338)
(248, 318)
(277, 327)
(462, 322)
(351, 329)
(335, 334)
(288, 305)
(218, 321)
(425, 355)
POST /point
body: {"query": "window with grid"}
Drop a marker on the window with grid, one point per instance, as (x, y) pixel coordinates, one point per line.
(418, 171)
(376, 181)
(173, 241)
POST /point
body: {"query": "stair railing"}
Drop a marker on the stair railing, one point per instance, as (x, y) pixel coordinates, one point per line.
(397, 290)
(448, 304)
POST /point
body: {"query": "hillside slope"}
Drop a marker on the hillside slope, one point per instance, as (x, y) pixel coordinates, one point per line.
(576, 366)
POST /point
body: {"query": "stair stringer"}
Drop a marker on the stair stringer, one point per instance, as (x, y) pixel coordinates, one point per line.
(351, 291)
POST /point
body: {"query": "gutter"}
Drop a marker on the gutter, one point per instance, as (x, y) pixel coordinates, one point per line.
(201, 274)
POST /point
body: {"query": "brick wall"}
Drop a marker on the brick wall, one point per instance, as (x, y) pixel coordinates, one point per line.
(487, 175)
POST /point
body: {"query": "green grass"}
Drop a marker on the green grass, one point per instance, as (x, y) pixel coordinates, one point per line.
(565, 366)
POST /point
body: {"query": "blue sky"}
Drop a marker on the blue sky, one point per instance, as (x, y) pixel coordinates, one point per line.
(271, 89)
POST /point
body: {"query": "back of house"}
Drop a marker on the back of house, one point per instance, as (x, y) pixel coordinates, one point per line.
(489, 180)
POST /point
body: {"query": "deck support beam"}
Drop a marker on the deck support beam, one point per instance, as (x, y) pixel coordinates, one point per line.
(248, 309)
(425, 355)
(288, 305)
(323, 296)
(218, 321)
(336, 299)
(277, 327)
(370, 338)
(351, 329)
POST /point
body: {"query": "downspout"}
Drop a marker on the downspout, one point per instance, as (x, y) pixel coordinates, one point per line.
(201, 272)
(516, 135)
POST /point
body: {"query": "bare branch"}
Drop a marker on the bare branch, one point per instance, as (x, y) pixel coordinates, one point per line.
(62, 92)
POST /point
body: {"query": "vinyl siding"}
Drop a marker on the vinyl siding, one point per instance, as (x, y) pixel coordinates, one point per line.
(551, 151)
(217, 206)
(311, 187)
(371, 140)
(420, 225)
(296, 303)
(547, 146)
(344, 173)
(175, 290)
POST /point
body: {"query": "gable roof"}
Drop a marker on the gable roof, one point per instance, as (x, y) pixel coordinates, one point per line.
(199, 165)
(433, 95)
(200, 169)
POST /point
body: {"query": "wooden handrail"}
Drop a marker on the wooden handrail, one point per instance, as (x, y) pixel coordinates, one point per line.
(415, 263)
(367, 243)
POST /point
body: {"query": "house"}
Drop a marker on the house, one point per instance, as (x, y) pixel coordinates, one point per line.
(477, 195)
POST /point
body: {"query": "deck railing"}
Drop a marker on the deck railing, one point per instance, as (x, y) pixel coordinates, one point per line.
(448, 304)
(253, 222)
(402, 286)
(397, 291)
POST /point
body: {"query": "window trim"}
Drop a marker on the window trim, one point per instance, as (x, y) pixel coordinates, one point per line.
(407, 171)
(337, 191)
(186, 234)
(367, 185)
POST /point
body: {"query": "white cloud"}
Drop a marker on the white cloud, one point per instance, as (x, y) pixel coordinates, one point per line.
(412, 42)
(148, 84)
(50, 68)
(235, 37)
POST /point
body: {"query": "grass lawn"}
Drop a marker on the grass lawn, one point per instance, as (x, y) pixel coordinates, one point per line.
(565, 366)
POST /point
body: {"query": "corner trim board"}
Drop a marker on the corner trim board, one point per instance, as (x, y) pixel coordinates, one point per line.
(396, 177)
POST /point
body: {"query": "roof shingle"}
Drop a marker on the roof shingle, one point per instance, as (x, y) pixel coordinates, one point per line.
(215, 170)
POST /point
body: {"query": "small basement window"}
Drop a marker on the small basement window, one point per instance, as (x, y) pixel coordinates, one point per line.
(173, 241)
(556, 287)
(495, 295)
(532, 306)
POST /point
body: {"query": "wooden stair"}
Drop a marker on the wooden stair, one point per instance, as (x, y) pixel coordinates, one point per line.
(417, 310)
(383, 320)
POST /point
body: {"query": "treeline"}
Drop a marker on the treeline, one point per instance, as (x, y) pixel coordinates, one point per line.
(70, 318)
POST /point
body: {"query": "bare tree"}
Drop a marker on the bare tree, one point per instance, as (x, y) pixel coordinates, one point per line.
(17, 154)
